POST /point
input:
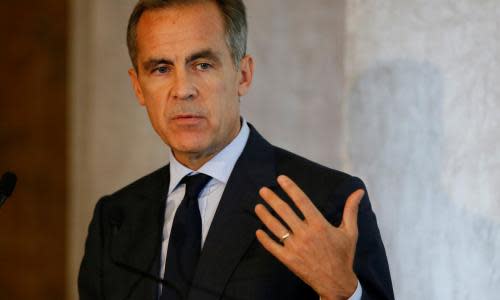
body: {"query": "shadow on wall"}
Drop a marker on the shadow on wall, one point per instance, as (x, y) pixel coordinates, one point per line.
(436, 248)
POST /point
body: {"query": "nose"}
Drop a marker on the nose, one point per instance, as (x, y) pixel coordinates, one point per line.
(183, 87)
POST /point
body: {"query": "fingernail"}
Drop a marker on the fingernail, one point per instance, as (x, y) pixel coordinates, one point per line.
(263, 190)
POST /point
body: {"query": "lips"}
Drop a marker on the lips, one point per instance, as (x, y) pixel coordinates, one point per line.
(187, 116)
(188, 119)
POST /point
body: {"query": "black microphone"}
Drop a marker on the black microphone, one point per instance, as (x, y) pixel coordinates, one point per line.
(7, 185)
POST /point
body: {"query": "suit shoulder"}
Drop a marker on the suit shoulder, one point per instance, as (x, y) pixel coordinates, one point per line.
(144, 185)
(326, 187)
(301, 167)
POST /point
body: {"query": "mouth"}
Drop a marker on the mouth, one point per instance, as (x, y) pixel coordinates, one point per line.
(187, 119)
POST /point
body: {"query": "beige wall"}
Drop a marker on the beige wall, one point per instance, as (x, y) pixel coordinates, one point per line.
(298, 88)
(111, 140)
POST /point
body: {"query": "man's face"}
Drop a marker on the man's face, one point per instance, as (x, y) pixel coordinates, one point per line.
(188, 81)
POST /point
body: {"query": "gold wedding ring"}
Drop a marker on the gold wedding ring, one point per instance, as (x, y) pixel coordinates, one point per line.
(285, 237)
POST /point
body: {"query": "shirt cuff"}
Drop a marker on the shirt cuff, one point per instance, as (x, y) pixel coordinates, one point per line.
(357, 293)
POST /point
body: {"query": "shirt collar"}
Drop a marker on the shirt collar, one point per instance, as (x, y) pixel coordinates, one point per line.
(219, 167)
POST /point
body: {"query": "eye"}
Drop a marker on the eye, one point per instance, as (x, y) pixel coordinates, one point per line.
(161, 70)
(203, 66)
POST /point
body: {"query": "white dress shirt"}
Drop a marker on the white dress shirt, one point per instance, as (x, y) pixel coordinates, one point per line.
(219, 168)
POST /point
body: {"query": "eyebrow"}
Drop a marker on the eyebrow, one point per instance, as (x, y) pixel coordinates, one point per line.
(205, 54)
(153, 62)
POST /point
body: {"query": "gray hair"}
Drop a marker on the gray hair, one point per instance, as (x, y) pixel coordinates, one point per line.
(233, 13)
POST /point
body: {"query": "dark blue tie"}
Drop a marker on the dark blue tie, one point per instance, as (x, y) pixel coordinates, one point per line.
(184, 245)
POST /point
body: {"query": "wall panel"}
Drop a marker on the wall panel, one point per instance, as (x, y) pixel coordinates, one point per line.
(33, 124)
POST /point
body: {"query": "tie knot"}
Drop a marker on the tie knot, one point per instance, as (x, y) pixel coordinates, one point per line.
(194, 184)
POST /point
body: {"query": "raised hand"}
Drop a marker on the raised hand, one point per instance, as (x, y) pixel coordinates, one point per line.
(319, 253)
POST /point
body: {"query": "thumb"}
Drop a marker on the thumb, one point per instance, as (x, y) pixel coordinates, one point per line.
(350, 215)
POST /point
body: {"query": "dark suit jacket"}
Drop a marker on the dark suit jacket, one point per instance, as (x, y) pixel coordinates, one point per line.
(124, 238)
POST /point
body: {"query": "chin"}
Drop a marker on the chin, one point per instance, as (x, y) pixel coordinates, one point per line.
(185, 139)
(190, 146)
(191, 149)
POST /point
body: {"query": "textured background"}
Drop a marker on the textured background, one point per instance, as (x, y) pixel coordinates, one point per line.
(422, 127)
(400, 93)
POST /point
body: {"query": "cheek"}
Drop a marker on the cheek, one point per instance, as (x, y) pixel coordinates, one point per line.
(227, 100)
(156, 109)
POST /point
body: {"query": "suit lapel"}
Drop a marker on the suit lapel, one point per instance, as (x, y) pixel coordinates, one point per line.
(136, 245)
(233, 228)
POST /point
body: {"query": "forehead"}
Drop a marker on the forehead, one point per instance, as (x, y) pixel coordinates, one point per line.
(180, 28)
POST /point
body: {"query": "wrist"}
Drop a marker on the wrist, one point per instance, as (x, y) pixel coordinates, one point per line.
(350, 284)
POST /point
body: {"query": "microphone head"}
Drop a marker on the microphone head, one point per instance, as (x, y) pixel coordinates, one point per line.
(8, 183)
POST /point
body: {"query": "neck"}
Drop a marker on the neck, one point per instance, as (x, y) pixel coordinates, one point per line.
(195, 160)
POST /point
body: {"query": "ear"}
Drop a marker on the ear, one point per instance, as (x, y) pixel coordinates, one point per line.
(134, 79)
(246, 75)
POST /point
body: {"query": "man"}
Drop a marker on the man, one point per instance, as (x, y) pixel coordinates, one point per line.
(265, 223)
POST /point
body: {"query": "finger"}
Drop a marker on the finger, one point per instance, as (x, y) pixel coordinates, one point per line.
(351, 208)
(278, 229)
(301, 200)
(271, 246)
(281, 208)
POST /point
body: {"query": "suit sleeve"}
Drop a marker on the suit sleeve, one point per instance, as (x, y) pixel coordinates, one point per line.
(370, 261)
(89, 277)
